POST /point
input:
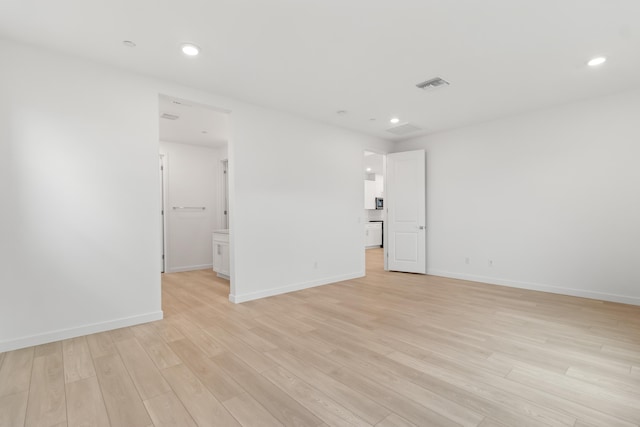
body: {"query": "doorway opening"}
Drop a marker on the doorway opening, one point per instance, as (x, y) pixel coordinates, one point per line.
(374, 165)
(194, 141)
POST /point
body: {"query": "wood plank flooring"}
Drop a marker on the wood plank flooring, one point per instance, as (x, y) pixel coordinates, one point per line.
(386, 350)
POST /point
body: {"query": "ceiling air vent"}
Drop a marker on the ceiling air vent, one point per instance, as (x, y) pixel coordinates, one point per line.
(169, 116)
(403, 129)
(432, 84)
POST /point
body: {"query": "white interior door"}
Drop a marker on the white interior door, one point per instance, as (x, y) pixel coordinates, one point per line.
(406, 217)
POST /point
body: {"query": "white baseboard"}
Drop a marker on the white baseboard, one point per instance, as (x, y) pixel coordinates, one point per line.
(539, 287)
(190, 268)
(63, 334)
(292, 288)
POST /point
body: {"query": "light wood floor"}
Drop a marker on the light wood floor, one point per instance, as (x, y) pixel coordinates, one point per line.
(387, 350)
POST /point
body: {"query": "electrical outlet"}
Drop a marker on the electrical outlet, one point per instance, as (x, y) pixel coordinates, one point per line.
(490, 262)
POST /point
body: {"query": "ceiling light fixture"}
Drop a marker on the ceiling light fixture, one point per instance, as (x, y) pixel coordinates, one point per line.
(433, 83)
(395, 120)
(129, 43)
(169, 116)
(368, 169)
(190, 49)
(341, 112)
(597, 61)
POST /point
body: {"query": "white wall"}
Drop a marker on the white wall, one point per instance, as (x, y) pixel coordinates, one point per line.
(297, 201)
(79, 189)
(551, 197)
(193, 179)
(79, 222)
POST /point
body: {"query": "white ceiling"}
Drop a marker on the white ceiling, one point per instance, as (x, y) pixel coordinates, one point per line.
(313, 58)
(195, 124)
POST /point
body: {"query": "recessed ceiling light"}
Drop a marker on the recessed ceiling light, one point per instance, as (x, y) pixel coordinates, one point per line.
(597, 61)
(204, 131)
(395, 120)
(372, 119)
(368, 169)
(129, 43)
(190, 49)
(341, 112)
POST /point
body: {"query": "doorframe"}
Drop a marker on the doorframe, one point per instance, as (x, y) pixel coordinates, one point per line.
(223, 191)
(163, 204)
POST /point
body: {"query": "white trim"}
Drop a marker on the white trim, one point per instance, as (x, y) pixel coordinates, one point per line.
(191, 268)
(292, 288)
(164, 157)
(92, 328)
(624, 299)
